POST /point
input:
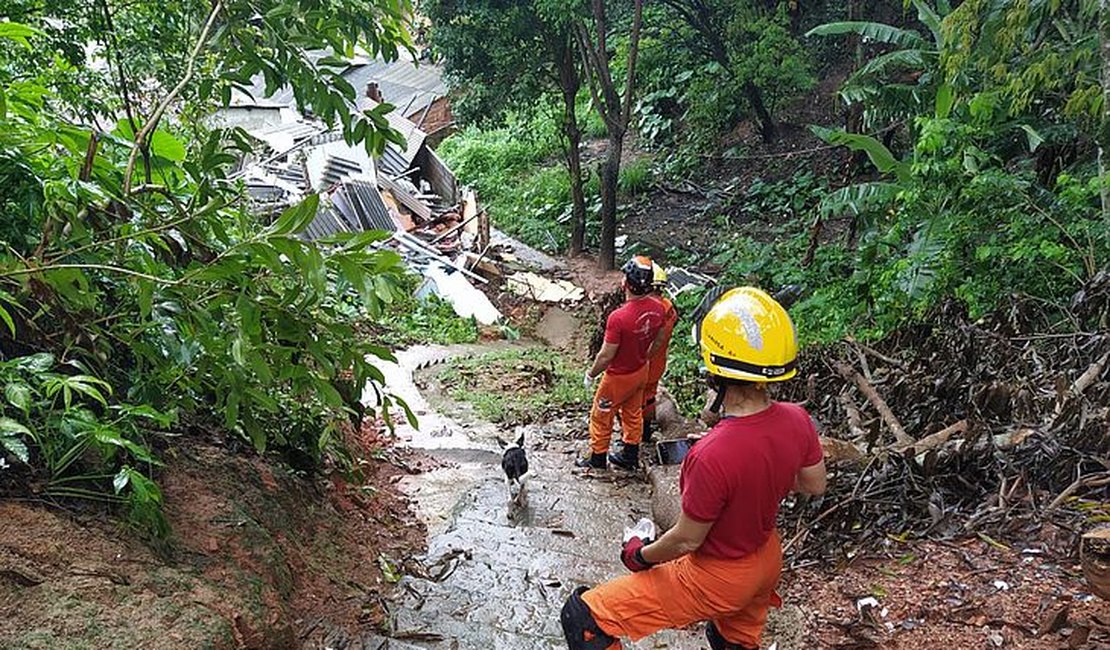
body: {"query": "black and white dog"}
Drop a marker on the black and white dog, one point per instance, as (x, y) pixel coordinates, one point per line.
(515, 464)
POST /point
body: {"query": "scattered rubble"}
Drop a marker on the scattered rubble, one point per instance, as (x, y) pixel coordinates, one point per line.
(541, 289)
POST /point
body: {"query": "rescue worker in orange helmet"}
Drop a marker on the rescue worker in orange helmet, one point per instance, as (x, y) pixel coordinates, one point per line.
(632, 333)
(657, 364)
(721, 562)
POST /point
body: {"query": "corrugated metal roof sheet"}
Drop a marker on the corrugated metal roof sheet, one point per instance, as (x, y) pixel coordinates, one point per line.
(393, 162)
(404, 83)
(337, 169)
(328, 222)
(283, 136)
(404, 197)
(361, 203)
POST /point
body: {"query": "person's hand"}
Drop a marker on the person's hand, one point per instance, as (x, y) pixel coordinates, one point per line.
(694, 437)
(632, 555)
(587, 380)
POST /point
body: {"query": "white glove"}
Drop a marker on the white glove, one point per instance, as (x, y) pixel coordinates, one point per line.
(587, 380)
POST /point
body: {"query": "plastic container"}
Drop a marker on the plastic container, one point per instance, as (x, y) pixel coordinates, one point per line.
(644, 529)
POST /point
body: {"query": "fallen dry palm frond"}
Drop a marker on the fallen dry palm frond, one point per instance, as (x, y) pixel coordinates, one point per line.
(1000, 426)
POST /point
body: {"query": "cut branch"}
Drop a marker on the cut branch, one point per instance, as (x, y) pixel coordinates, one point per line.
(1093, 480)
(933, 440)
(855, 421)
(878, 355)
(1081, 384)
(142, 137)
(877, 401)
(1090, 376)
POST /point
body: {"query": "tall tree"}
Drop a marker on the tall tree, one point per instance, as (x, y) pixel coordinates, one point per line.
(710, 21)
(502, 55)
(614, 106)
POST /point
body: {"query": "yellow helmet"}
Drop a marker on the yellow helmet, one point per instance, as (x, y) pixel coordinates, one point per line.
(746, 335)
(659, 279)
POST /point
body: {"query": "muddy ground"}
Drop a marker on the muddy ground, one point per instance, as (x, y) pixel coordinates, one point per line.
(498, 580)
(259, 558)
(425, 554)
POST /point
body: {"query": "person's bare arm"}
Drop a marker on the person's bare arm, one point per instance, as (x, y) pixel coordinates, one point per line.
(812, 480)
(604, 357)
(686, 537)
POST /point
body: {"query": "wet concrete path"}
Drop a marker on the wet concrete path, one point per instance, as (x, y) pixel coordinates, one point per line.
(488, 581)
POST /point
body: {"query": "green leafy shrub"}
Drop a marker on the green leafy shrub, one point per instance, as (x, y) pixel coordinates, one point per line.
(141, 296)
(59, 418)
(526, 193)
(416, 321)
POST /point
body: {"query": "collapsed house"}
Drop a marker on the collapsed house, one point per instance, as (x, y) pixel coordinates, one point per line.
(407, 192)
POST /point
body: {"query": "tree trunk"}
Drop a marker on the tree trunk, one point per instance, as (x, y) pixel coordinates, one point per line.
(577, 195)
(615, 109)
(610, 172)
(569, 83)
(767, 127)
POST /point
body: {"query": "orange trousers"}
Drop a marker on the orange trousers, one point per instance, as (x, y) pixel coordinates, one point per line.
(734, 594)
(656, 367)
(623, 394)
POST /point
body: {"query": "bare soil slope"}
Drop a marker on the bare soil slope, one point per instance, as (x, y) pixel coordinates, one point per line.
(260, 558)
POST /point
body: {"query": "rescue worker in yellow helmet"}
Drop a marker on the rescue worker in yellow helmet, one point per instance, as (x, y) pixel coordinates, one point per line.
(721, 562)
(657, 364)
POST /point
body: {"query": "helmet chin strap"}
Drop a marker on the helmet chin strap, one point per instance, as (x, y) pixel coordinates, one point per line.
(719, 400)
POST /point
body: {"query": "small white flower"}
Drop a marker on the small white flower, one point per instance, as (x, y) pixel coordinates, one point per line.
(3, 463)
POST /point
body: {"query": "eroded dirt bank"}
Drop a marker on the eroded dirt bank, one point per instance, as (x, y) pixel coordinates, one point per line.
(259, 558)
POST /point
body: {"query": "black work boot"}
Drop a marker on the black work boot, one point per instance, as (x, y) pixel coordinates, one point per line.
(593, 461)
(649, 430)
(628, 457)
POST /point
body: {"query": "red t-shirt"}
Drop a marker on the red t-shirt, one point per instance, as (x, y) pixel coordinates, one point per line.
(632, 327)
(739, 473)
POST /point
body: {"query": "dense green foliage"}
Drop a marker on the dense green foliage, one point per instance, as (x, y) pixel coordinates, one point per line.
(736, 60)
(518, 179)
(413, 321)
(140, 297)
(976, 127)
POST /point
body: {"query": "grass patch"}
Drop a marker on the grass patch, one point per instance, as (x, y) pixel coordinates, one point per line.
(413, 322)
(516, 172)
(636, 177)
(516, 386)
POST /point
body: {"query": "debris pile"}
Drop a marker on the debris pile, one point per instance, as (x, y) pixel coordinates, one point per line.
(408, 193)
(990, 428)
